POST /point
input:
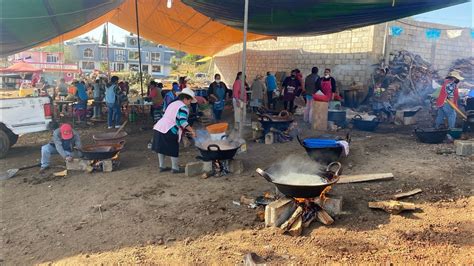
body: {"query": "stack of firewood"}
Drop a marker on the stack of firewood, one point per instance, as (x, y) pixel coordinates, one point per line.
(465, 67)
(405, 82)
(304, 215)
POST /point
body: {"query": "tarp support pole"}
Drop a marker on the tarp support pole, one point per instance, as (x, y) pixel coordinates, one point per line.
(107, 47)
(243, 105)
(139, 48)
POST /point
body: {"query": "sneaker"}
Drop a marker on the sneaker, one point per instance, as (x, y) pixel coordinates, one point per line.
(117, 126)
(177, 171)
(109, 127)
(164, 169)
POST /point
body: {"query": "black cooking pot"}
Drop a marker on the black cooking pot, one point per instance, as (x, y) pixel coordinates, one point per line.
(323, 155)
(265, 111)
(431, 135)
(337, 116)
(304, 191)
(365, 125)
(101, 151)
(280, 122)
(470, 116)
(214, 152)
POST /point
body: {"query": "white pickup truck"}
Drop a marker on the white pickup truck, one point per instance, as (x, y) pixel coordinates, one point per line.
(20, 116)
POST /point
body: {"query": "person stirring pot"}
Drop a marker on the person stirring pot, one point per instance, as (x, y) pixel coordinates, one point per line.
(169, 129)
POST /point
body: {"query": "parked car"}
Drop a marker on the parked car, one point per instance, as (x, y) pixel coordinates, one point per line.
(20, 116)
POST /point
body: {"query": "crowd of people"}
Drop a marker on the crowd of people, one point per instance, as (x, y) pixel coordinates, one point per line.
(267, 91)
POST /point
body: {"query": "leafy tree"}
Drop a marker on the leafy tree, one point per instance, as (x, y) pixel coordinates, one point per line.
(104, 36)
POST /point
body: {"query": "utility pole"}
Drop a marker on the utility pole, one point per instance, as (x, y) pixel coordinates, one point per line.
(243, 92)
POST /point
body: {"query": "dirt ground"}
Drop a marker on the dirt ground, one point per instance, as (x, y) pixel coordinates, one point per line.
(148, 217)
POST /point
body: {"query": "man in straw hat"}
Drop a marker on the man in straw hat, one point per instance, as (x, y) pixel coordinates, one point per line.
(168, 130)
(449, 92)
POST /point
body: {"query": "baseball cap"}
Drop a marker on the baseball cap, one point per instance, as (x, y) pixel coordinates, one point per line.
(66, 131)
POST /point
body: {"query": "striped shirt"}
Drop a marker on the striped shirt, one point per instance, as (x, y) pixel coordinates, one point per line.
(181, 119)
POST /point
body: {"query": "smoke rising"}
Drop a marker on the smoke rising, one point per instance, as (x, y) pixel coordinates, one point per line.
(284, 171)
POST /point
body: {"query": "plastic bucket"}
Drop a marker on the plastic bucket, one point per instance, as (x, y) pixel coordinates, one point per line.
(217, 128)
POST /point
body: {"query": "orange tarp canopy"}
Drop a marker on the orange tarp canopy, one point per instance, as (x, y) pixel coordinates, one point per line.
(180, 27)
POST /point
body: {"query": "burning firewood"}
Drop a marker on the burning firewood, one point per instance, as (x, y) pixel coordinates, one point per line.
(324, 217)
(297, 227)
(287, 225)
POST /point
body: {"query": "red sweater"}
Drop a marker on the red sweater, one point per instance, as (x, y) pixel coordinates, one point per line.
(443, 95)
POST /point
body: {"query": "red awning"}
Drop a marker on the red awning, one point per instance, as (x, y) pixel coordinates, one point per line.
(21, 67)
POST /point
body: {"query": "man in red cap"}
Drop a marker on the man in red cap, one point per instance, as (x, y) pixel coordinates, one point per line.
(64, 140)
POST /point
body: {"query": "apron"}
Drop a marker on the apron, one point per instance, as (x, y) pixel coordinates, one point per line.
(326, 87)
(219, 104)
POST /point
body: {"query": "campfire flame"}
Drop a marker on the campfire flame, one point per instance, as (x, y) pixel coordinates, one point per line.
(323, 194)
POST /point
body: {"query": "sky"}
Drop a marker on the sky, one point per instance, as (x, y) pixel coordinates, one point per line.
(459, 16)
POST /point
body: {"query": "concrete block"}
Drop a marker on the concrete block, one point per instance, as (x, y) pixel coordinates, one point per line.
(464, 147)
(236, 166)
(107, 166)
(332, 205)
(277, 212)
(78, 165)
(269, 138)
(197, 168)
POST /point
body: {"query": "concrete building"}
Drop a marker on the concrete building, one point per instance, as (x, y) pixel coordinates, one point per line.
(91, 55)
(351, 54)
(52, 64)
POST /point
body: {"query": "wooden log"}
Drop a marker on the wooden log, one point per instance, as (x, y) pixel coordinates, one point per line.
(297, 227)
(324, 217)
(286, 225)
(392, 206)
(407, 194)
(344, 179)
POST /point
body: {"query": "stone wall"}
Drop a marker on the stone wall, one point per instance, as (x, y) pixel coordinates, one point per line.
(441, 53)
(350, 54)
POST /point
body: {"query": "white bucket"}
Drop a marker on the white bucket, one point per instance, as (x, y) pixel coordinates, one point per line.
(217, 136)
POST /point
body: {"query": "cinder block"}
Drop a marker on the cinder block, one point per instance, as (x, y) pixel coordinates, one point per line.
(197, 168)
(269, 138)
(464, 147)
(277, 212)
(236, 166)
(332, 205)
(107, 166)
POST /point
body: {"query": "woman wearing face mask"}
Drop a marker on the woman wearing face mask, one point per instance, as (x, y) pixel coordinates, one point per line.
(291, 88)
(169, 129)
(449, 92)
(217, 96)
(327, 85)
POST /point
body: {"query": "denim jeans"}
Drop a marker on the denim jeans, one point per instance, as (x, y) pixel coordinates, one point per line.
(217, 114)
(114, 113)
(271, 101)
(446, 111)
(97, 108)
(46, 151)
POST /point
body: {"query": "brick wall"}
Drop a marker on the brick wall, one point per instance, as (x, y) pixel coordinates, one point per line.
(350, 54)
